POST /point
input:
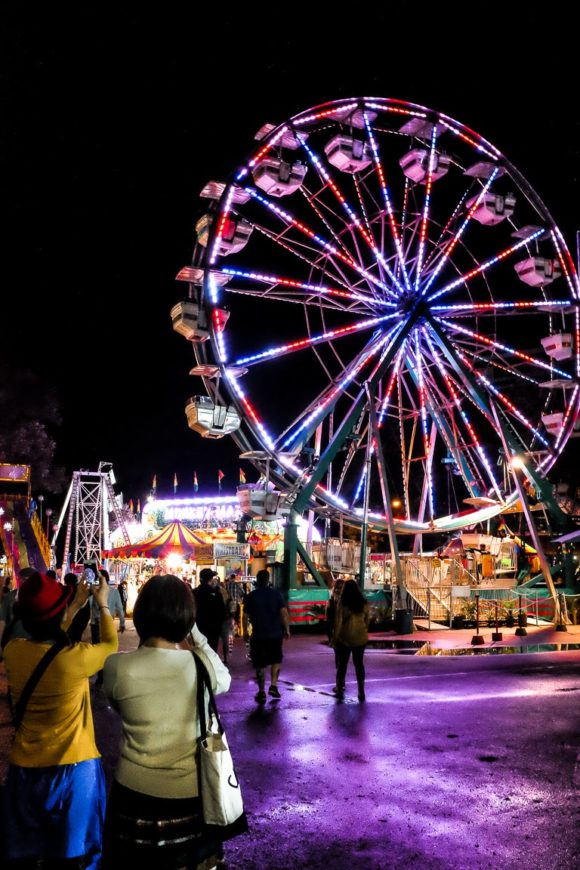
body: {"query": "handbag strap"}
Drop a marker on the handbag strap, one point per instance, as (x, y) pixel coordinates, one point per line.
(204, 682)
(33, 679)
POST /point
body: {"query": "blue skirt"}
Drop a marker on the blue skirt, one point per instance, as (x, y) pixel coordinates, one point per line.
(55, 812)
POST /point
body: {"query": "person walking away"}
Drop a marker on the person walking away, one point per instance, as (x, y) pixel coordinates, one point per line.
(350, 635)
(268, 616)
(210, 607)
(154, 816)
(227, 629)
(54, 798)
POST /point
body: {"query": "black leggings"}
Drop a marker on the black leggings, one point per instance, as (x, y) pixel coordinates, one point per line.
(342, 657)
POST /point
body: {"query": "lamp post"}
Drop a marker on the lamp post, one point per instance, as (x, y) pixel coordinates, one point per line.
(48, 513)
(9, 545)
(40, 500)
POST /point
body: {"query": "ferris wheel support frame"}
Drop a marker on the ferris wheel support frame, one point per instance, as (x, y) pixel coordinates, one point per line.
(301, 503)
(514, 468)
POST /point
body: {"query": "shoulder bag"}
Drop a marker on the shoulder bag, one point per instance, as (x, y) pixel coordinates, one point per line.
(219, 787)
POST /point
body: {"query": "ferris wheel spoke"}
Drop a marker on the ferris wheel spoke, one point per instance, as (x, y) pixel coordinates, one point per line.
(440, 409)
(475, 380)
(303, 343)
(515, 412)
(302, 291)
(446, 238)
(500, 347)
(386, 198)
(488, 264)
(324, 245)
(464, 416)
(391, 383)
(426, 207)
(353, 218)
(449, 248)
(327, 402)
(512, 372)
(495, 309)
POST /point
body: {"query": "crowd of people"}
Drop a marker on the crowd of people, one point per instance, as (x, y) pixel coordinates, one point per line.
(56, 812)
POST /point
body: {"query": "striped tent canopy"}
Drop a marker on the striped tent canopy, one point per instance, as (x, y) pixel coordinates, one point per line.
(174, 538)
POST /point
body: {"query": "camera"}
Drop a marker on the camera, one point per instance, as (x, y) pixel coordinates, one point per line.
(91, 573)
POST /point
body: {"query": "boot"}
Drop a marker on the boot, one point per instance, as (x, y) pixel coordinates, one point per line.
(361, 692)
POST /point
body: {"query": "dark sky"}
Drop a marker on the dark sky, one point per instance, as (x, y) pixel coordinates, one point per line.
(113, 121)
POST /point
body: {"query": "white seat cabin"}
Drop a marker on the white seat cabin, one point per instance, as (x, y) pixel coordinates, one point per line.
(189, 320)
(553, 423)
(259, 503)
(492, 209)
(277, 177)
(559, 345)
(235, 234)
(537, 271)
(348, 154)
(209, 419)
(415, 164)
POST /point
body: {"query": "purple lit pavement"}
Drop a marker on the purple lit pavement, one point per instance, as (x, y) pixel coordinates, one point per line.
(460, 759)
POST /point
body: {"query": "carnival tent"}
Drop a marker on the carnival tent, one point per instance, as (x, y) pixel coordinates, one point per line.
(174, 538)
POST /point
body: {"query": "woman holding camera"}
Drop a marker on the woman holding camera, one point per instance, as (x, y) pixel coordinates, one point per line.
(154, 811)
(54, 801)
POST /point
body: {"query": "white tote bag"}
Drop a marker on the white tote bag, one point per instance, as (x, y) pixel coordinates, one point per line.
(219, 788)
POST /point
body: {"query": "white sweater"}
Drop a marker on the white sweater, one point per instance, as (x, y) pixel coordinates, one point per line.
(155, 692)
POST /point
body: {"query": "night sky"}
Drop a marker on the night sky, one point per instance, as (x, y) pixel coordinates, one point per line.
(113, 122)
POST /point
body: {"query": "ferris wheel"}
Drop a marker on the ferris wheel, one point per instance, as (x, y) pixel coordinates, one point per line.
(382, 309)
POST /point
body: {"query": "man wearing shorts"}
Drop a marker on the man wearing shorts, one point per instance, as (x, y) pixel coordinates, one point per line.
(268, 614)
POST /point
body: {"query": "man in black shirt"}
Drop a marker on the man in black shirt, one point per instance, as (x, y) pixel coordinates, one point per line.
(210, 607)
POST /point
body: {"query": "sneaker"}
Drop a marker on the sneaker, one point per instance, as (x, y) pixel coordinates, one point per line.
(260, 697)
(274, 692)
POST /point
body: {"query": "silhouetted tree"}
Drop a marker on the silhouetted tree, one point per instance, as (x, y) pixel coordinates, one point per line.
(29, 413)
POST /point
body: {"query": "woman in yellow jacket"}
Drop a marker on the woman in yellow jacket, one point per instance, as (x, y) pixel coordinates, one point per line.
(350, 635)
(54, 800)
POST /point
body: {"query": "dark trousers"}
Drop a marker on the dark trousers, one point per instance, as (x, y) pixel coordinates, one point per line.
(342, 656)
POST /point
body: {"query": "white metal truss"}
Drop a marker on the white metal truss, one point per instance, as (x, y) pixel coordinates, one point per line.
(87, 508)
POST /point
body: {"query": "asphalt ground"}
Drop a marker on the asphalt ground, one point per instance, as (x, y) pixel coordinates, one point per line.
(461, 758)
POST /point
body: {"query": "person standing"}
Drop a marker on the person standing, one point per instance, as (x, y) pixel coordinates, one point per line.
(268, 616)
(124, 595)
(235, 590)
(350, 635)
(115, 603)
(227, 629)
(154, 816)
(210, 607)
(54, 798)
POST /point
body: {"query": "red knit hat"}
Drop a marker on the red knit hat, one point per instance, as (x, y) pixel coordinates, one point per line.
(40, 598)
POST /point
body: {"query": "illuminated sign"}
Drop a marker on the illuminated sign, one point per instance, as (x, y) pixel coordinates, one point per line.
(236, 551)
(14, 473)
(213, 510)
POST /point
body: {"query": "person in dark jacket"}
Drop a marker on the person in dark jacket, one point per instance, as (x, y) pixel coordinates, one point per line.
(210, 606)
(350, 635)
